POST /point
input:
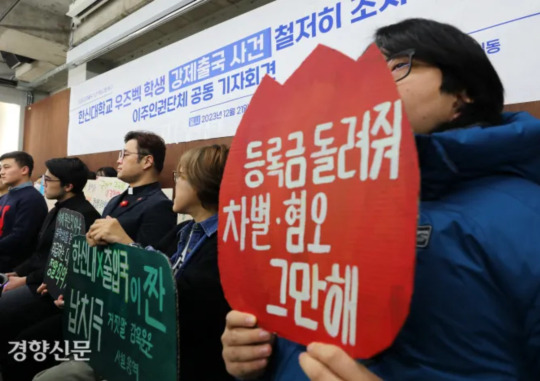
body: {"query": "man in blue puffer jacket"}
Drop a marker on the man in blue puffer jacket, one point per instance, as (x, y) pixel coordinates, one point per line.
(475, 311)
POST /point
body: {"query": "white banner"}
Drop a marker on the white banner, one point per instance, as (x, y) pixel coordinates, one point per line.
(198, 88)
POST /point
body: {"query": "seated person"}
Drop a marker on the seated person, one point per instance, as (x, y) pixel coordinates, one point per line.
(475, 310)
(143, 210)
(22, 210)
(192, 246)
(21, 304)
(64, 181)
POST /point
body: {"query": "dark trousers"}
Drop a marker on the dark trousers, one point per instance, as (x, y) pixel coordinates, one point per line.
(26, 316)
(49, 330)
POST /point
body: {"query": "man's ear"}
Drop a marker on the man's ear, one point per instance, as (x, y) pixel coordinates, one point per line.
(68, 188)
(462, 99)
(148, 161)
(25, 170)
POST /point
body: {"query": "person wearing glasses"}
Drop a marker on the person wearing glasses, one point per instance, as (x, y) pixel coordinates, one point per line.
(64, 182)
(143, 210)
(21, 305)
(475, 310)
(22, 210)
(192, 249)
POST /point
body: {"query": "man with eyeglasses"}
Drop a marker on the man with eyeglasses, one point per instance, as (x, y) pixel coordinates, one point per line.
(475, 310)
(143, 210)
(21, 305)
(22, 210)
(64, 182)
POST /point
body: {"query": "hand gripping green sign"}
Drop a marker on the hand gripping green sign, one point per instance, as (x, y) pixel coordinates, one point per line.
(122, 300)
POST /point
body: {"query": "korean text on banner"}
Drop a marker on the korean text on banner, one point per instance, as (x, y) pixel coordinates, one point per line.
(199, 87)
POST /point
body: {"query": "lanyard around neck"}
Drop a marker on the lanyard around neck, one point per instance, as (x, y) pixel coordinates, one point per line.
(182, 255)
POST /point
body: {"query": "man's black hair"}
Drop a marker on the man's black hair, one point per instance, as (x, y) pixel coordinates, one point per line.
(107, 172)
(22, 159)
(149, 143)
(462, 61)
(69, 170)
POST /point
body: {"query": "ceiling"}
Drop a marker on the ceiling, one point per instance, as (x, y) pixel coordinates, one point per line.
(40, 30)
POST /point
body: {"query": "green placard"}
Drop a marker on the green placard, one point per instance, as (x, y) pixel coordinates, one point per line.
(69, 223)
(123, 300)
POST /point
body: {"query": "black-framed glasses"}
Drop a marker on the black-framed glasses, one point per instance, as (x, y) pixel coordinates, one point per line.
(123, 153)
(47, 179)
(400, 64)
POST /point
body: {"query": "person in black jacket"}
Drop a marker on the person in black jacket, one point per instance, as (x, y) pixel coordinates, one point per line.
(64, 181)
(201, 303)
(192, 248)
(20, 304)
(143, 210)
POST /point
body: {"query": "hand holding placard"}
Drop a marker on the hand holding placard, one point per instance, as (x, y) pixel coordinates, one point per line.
(319, 203)
(246, 347)
(328, 362)
(105, 231)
